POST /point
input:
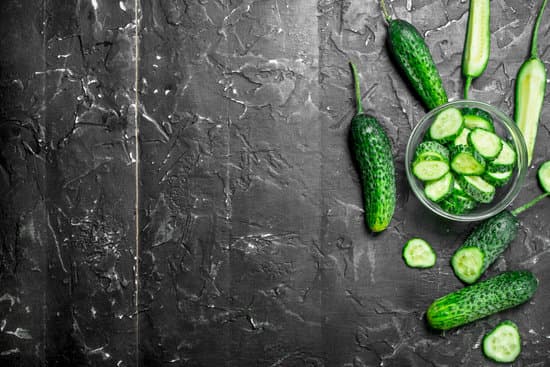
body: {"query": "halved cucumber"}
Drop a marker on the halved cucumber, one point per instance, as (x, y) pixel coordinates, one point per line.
(486, 143)
(498, 178)
(430, 169)
(503, 343)
(418, 253)
(467, 263)
(479, 189)
(431, 148)
(476, 122)
(466, 161)
(439, 189)
(544, 176)
(448, 124)
(505, 161)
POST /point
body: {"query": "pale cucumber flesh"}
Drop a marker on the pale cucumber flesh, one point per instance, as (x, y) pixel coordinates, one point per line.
(530, 88)
(503, 343)
(418, 253)
(544, 176)
(478, 39)
(467, 264)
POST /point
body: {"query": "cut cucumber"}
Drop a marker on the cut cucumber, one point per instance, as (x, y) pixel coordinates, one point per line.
(457, 204)
(478, 41)
(503, 343)
(474, 111)
(466, 161)
(433, 149)
(498, 179)
(467, 263)
(477, 122)
(462, 139)
(448, 124)
(505, 161)
(484, 245)
(486, 143)
(430, 169)
(479, 189)
(418, 253)
(439, 189)
(544, 176)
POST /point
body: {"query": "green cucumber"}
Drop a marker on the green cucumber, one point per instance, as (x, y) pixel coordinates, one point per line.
(477, 112)
(433, 149)
(429, 168)
(498, 179)
(374, 155)
(418, 253)
(484, 245)
(530, 89)
(544, 176)
(505, 161)
(503, 343)
(466, 161)
(413, 57)
(478, 42)
(473, 122)
(506, 290)
(439, 189)
(447, 125)
(462, 139)
(479, 189)
(457, 204)
(486, 143)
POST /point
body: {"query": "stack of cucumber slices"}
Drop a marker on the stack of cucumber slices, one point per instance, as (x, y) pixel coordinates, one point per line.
(462, 160)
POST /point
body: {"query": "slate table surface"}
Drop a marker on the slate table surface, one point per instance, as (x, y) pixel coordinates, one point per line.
(177, 187)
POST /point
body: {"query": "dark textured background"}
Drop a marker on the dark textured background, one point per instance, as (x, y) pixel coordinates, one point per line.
(251, 242)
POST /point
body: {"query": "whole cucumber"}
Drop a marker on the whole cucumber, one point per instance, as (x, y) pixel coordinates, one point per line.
(506, 290)
(373, 153)
(408, 48)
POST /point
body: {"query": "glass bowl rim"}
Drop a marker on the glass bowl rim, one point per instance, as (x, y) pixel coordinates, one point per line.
(519, 177)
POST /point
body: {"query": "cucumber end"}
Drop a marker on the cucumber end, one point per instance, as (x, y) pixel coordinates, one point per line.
(467, 264)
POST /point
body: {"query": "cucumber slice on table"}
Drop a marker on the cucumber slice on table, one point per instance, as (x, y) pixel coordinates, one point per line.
(498, 179)
(505, 161)
(431, 149)
(462, 139)
(506, 290)
(544, 176)
(466, 161)
(448, 124)
(439, 189)
(503, 343)
(479, 189)
(486, 143)
(418, 253)
(430, 169)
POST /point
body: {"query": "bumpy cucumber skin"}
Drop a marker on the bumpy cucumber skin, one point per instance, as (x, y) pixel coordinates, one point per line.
(506, 290)
(373, 152)
(482, 197)
(492, 237)
(431, 148)
(412, 55)
(457, 203)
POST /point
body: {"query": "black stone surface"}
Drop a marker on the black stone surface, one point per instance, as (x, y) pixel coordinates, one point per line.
(248, 246)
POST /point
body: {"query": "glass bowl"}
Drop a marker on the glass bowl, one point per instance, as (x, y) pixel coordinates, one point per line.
(506, 129)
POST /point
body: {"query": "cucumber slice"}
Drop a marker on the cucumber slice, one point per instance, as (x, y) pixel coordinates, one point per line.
(418, 253)
(505, 161)
(457, 204)
(466, 161)
(433, 149)
(439, 189)
(477, 122)
(503, 343)
(544, 176)
(462, 139)
(448, 124)
(430, 169)
(486, 143)
(498, 179)
(476, 112)
(467, 263)
(479, 189)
